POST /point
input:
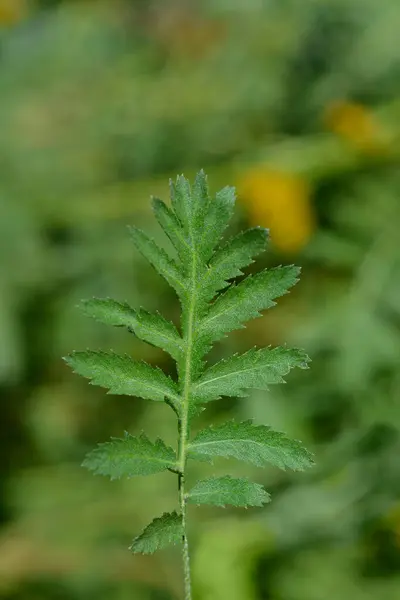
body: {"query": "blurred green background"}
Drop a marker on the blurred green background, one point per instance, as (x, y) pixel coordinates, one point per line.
(295, 103)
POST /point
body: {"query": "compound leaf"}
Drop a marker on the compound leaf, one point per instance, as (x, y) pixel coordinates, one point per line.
(220, 491)
(202, 270)
(129, 456)
(254, 369)
(160, 533)
(257, 444)
(149, 327)
(120, 374)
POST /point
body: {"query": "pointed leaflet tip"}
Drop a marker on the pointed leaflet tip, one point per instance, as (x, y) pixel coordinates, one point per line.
(200, 187)
(216, 219)
(172, 227)
(160, 533)
(156, 202)
(159, 259)
(181, 200)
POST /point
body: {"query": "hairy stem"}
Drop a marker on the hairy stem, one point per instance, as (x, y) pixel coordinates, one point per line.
(183, 435)
(184, 421)
(185, 550)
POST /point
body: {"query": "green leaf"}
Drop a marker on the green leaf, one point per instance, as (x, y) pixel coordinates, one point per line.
(123, 375)
(190, 206)
(173, 229)
(244, 301)
(202, 269)
(149, 327)
(216, 220)
(129, 456)
(182, 201)
(200, 192)
(228, 490)
(229, 261)
(160, 260)
(257, 444)
(161, 532)
(254, 369)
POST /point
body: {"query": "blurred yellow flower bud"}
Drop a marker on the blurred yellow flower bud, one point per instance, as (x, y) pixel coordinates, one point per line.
(281, 202)
(356, 124)
(12, 11)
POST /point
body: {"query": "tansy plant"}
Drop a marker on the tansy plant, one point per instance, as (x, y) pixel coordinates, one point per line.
(201, 270)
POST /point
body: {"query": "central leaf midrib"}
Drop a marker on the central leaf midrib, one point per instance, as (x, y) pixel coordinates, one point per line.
(188, 362)
(210, 494)
(147, 386)
(231, 374)
(140, 457)
(235, 440)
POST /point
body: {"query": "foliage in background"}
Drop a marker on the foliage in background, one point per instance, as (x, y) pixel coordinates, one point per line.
(297, 104)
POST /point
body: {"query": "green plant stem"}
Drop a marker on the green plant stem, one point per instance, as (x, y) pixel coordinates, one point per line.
(185, 551)
(183, 431)
(183, 435)
(184, 422)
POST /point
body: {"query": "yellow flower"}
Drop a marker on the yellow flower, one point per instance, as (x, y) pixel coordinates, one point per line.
(356, 124)
(281, 202)
(12, 11)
